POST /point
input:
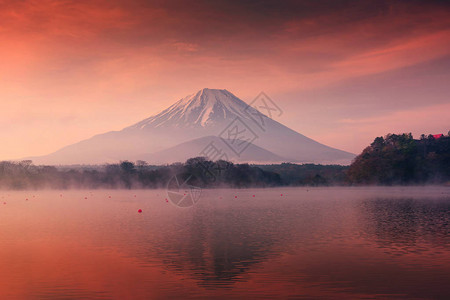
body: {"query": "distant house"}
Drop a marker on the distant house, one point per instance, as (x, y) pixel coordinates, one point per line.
(437, 136)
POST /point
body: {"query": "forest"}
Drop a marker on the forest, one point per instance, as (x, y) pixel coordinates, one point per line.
(390, 160)
(129, 175)
(401, 159)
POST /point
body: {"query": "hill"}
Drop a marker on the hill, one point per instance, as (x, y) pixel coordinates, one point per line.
(401, 159)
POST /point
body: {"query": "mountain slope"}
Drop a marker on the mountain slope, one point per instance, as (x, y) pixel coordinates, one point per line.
(196, 147)
(209, 112)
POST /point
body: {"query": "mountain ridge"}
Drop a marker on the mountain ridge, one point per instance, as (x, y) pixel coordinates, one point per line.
(196, 147)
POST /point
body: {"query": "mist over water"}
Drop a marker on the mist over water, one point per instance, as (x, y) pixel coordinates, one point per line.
(284, 242)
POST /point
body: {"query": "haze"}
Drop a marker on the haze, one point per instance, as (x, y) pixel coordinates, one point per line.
(343, 72)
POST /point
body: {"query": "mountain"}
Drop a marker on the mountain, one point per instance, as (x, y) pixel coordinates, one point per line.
(244, 132)
(192, 148)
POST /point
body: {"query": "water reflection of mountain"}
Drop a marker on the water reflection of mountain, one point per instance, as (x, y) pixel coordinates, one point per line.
(217, 246)
(403, 224)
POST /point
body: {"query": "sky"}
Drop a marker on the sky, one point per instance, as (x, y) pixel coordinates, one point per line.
(343, 72)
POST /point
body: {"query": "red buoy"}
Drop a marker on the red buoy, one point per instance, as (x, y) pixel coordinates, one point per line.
(253, 195)
(235, 196)
(139, 210)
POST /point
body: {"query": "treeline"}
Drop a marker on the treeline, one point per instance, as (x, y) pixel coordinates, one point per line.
(309, 174)
(25, 175)
(401, 159)
(199, 171)
(393, 159)
(129, 175)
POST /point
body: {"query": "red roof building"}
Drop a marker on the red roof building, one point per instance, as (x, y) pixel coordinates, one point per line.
(437, 136)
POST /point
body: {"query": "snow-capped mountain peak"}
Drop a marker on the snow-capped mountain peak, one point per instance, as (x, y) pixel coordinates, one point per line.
(204, 108)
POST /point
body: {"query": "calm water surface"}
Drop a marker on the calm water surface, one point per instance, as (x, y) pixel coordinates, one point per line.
(316, 243)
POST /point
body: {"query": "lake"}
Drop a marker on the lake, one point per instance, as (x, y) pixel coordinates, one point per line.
(282, 243)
